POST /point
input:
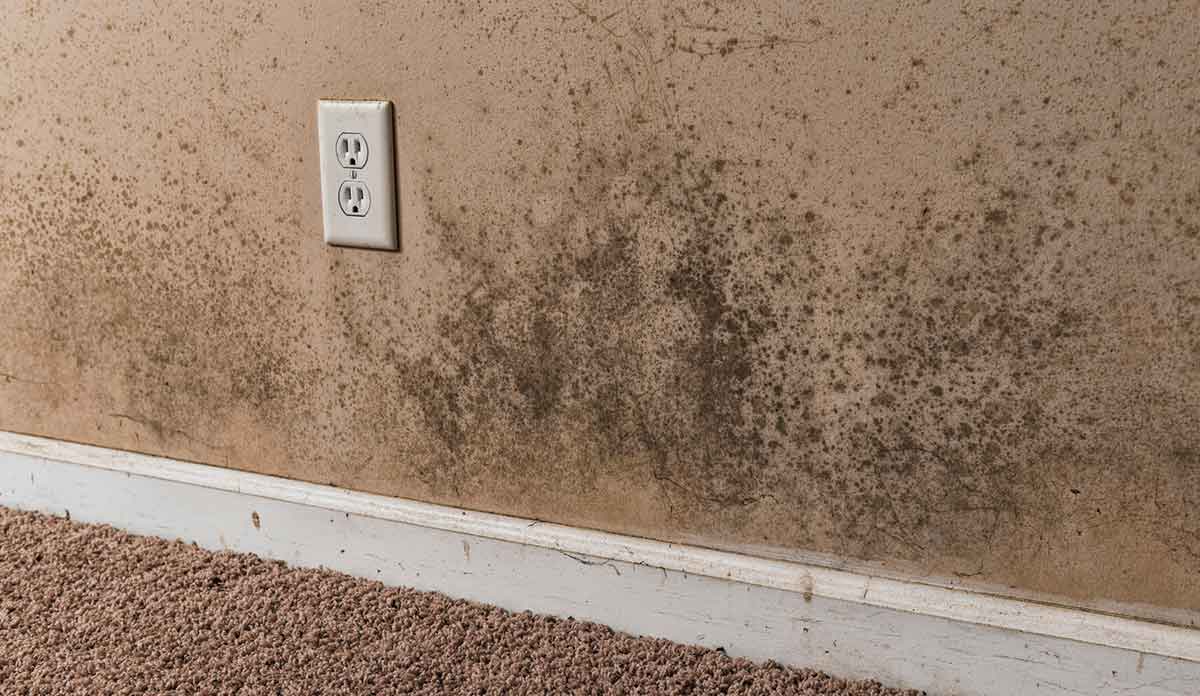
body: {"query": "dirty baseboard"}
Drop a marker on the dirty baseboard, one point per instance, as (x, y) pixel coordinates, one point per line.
(937, 639)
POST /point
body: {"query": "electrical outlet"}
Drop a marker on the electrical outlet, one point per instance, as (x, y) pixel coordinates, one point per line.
(354, 198)
(352, 150)
(358, 173)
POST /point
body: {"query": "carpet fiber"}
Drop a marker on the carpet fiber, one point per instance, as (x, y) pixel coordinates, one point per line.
(87, 609)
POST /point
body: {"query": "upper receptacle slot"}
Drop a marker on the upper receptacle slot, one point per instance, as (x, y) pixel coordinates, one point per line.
(351, 150)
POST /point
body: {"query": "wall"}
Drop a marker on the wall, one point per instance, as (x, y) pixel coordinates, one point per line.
(915, 283)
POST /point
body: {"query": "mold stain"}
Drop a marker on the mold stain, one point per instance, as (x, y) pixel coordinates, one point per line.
(655, 353)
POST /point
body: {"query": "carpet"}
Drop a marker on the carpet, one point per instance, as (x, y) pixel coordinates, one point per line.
(87, 609)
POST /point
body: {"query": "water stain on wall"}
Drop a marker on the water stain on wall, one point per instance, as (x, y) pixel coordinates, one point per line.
(912, 286)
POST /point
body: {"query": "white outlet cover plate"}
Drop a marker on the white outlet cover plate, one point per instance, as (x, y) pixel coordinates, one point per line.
(372, 120)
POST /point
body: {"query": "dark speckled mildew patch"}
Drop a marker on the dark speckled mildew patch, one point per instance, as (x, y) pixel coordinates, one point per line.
(937, 386)
(953, 427)
(184, 339)
(584, 337)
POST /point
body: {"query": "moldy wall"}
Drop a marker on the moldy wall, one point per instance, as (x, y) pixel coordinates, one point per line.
(916, 283)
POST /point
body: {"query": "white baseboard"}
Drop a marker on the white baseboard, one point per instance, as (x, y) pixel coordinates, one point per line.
(942, 640)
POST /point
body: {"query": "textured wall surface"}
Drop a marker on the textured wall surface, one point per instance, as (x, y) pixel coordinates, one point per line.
(905, 281)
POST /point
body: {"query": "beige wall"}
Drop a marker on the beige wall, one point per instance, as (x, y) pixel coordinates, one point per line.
(917, 283)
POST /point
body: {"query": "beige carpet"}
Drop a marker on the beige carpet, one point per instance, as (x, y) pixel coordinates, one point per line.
(90, 610)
